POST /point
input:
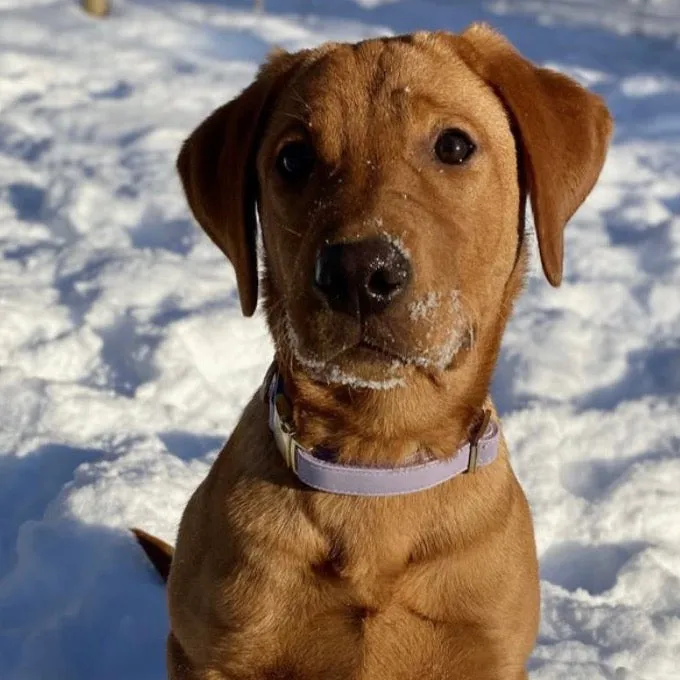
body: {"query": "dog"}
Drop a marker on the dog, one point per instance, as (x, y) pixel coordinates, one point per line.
(363, 521)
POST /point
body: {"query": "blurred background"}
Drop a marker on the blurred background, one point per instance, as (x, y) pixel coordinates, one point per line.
(124, 362)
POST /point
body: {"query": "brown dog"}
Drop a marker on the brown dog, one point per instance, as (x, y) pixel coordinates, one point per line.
(390, 178)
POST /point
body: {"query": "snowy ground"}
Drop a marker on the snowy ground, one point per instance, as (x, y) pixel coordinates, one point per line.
(124, 362)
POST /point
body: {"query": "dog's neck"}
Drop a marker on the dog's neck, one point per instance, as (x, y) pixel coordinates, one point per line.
(384, 427)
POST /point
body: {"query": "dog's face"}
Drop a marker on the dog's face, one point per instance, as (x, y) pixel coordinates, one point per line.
(389, 206)
(390, 179)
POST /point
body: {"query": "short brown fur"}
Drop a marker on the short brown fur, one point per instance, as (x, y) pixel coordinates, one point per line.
(271, 579)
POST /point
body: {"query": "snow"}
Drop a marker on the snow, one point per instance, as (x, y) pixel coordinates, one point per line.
(425, 306)
(124, 362)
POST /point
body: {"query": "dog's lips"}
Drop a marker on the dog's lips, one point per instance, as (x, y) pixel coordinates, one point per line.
(362, 366)
(377, 351)
(356, 364)
(377, 354)
(431, 359)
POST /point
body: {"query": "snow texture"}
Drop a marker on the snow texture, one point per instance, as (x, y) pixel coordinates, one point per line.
(124, 361)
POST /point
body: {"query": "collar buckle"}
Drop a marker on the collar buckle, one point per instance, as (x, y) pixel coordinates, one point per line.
(474, 440)
(284, 432)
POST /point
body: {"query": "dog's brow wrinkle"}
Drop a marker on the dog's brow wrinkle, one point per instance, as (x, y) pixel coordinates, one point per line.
(380, 74)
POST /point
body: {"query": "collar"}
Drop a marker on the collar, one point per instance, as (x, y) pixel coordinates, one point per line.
(316, 471)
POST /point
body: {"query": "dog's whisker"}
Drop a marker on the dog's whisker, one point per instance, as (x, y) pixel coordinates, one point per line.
(296, 117)
(299, 99)
(292, 231)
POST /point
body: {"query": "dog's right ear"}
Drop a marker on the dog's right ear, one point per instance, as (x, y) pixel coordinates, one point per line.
(217, 167)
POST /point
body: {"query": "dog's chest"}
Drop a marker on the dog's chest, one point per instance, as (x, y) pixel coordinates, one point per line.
(382, 559)
(363, 579)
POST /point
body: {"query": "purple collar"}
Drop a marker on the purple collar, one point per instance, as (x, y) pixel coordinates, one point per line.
(355, 480)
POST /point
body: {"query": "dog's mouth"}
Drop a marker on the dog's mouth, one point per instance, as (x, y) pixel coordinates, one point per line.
(360, 362)
(370, 362)
(378, 351)
(436, 358)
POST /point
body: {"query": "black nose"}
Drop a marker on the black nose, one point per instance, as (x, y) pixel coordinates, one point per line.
(362, 277)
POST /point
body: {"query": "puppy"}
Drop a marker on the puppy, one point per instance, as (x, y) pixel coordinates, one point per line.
(363, 521)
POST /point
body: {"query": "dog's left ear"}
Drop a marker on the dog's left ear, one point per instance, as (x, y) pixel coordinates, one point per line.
(217, 167)
(563, 133)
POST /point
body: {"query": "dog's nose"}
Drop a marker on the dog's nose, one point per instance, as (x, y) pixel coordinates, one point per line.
(362, 277)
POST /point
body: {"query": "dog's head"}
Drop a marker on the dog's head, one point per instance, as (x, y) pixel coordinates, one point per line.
(390, 179)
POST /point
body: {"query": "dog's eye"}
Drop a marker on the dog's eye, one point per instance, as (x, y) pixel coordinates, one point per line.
(295, 161)
(454, 147)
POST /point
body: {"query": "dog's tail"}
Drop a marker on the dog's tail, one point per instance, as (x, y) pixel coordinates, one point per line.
(158, 552)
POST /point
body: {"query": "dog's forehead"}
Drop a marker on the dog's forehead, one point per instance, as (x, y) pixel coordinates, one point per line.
(382, 67)
(402, 81)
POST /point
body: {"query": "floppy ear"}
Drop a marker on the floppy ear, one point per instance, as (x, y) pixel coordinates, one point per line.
(217, 167)
(563, 133)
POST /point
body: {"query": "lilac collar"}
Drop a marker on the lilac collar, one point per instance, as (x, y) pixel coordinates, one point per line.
(355, 480)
